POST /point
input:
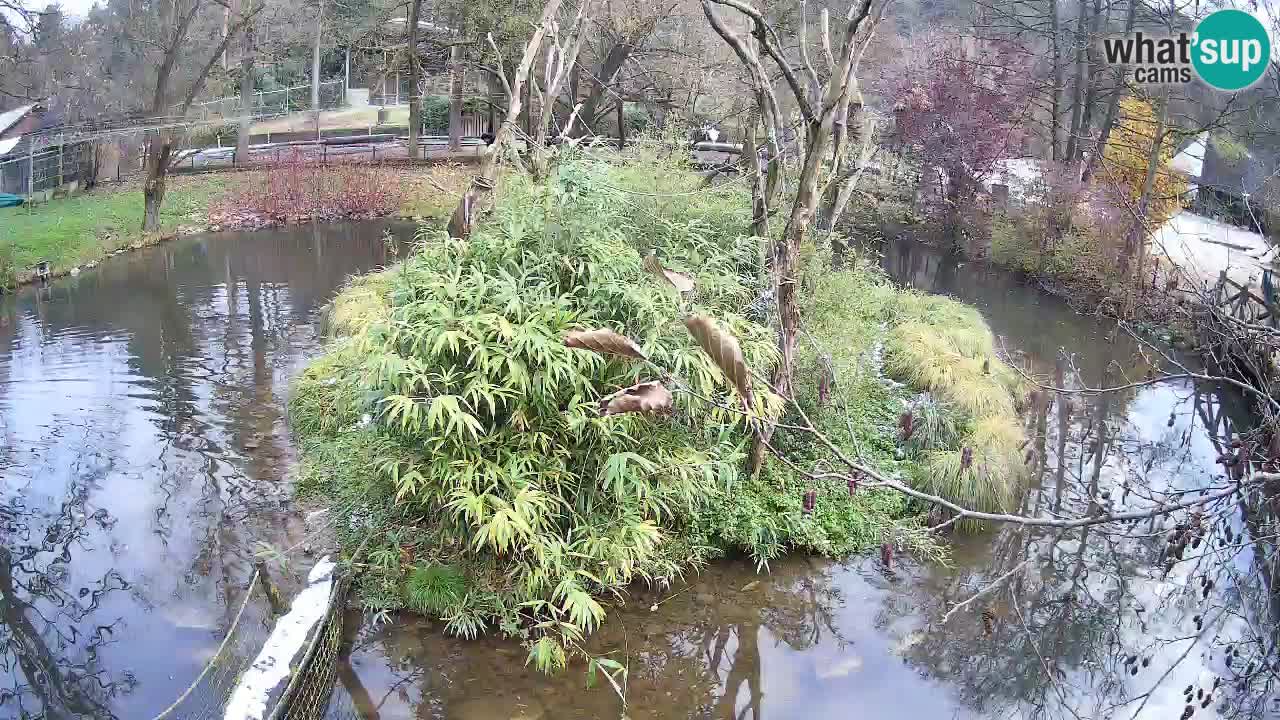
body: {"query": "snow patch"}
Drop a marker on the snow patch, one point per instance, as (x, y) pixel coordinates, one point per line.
(1205, 247)
(271, 668)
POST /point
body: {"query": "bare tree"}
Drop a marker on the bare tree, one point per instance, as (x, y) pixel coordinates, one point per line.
(176, 21)
(479, 197)
(820, 103)
(560, 58)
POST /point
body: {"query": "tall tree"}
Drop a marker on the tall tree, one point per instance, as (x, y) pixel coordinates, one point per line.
(819, 103)
(175, 22)
(413, 35)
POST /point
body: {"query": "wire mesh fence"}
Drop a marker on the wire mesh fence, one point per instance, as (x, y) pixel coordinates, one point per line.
(206, 697)
(273, 102)
(45, 167)
(308, 694)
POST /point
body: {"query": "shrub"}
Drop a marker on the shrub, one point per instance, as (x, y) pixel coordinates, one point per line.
(1013, 246)
(435, 113)
(298, 189)
(451, 428)
(8, 266)
(494, 459)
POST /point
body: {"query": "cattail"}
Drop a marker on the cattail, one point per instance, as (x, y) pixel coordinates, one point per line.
(886, 555)
(966, 458)
(906, 423)
(986, 366)
(853, 484)
(810, 501)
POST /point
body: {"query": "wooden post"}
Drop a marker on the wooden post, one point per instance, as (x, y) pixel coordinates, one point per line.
(31, 172)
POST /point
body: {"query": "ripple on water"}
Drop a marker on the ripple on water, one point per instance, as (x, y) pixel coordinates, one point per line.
(130, 495)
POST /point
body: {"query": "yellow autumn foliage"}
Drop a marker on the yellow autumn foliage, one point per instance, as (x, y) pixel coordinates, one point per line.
(1125, 161)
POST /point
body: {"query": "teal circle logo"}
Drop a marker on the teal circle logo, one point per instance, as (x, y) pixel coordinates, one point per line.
(1231, 50)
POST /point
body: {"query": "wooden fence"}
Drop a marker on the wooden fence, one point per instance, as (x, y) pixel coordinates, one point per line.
(1247, 302)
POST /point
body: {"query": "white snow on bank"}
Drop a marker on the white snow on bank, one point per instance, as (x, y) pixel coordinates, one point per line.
(1204, 247)
(1020, 175)
(271, 667)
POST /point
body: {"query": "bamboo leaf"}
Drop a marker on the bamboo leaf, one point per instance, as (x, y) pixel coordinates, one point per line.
(645, 397)
(603, 341)
(723, 349)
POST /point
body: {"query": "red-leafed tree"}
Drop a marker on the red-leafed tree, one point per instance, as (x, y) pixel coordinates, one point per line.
(959, 114)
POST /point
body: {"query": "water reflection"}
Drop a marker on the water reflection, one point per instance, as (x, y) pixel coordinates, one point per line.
(1085, 623)
(142, 450)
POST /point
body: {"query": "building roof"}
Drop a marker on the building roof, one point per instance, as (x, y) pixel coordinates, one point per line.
(10, 118)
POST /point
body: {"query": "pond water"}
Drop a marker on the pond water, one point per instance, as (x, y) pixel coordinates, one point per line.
(145, 453)
(142, 453)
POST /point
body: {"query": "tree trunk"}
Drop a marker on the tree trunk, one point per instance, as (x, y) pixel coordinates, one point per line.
(1113, 104)
(456, 79)
(1077, 88)
(415, 71)
(613, 62)
(315, 64)
(1093, 78)
(159, 150)
(759, 198)
(246, 97)
(1136, 239)
(1055, 100)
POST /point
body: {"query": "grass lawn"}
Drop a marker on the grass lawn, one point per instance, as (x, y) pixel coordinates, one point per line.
(83, 228)
(75, 230)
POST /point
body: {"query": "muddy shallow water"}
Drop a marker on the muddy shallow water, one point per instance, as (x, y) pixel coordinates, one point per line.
(144, 453)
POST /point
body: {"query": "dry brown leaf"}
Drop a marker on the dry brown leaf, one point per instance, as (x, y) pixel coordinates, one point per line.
(681, 282)
(603, 341)
(645, 397)
(723, 349)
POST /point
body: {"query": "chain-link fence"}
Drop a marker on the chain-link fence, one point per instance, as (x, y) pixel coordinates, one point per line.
(37, 166)
(306, 697)
(273, 102)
